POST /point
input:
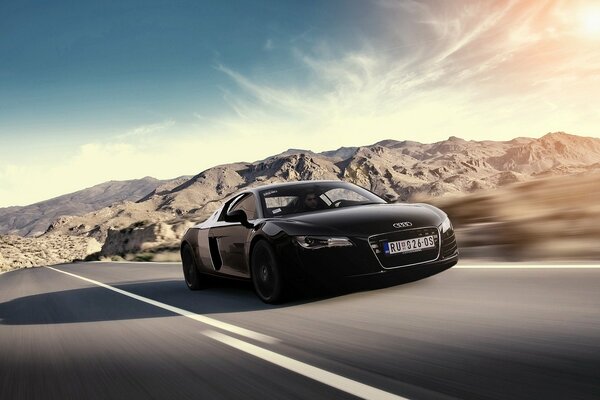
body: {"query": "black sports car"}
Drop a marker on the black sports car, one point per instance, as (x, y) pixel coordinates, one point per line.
(280, 234)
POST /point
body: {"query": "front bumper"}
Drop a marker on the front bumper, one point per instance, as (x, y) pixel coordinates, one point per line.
(330, 265)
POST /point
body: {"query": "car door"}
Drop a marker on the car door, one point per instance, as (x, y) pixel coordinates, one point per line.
(229, 239)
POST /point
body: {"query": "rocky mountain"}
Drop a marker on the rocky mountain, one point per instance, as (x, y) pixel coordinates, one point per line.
(552, 152)
(34, 219)
(397, 170)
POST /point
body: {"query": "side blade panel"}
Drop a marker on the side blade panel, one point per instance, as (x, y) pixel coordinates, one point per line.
(204, 250)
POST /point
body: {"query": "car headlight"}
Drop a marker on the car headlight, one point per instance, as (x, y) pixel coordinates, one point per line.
(446, 225)
(319, 242)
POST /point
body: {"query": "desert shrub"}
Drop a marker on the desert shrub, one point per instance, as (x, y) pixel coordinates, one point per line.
(143, 257)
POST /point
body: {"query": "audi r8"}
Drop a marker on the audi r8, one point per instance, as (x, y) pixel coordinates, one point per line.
(280, 234)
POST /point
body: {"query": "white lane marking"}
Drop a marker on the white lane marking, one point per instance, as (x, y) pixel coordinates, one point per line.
(328, 378)
(134, 262)
(528, 266)
(196, 317)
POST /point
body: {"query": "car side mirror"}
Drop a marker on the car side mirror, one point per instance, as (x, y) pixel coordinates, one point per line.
(238, 216)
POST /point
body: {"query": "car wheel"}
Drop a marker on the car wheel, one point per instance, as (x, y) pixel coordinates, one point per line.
(266, 274)
(193, 278)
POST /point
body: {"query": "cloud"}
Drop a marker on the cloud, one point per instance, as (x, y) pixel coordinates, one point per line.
(144, 130)
(443, 69)
(178, 150)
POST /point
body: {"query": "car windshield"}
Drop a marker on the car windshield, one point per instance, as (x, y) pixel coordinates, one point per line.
(312, 197)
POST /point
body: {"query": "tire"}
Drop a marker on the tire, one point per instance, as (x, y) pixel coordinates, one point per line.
(193, 278)
(267, 277)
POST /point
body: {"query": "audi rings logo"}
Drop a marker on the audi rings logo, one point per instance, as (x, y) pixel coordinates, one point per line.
(405, 224)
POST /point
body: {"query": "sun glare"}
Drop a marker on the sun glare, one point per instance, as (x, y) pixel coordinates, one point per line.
(590, 21)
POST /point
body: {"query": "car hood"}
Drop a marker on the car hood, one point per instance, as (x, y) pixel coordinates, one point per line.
(363, 220)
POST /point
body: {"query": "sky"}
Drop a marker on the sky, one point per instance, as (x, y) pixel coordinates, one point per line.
(98, 91)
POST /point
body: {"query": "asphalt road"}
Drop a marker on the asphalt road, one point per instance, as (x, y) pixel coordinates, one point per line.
(463, 334)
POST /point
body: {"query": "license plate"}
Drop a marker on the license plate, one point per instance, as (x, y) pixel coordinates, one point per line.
(409, 245)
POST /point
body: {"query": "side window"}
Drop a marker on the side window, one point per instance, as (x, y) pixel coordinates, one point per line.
(248, 204)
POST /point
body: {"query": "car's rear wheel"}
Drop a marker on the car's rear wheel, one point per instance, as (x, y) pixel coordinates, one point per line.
(266, 274)
(193, 278)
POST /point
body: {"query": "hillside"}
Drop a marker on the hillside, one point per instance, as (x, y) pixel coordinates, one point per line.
(34, 219)
(396, 170)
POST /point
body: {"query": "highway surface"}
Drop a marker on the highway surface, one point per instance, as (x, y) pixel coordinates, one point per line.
(134, 331)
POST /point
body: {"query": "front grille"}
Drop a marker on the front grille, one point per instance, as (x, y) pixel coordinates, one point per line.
(449, 246)
(405, 259)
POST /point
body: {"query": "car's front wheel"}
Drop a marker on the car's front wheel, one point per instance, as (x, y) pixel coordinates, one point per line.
(266, 274)
(193, 278)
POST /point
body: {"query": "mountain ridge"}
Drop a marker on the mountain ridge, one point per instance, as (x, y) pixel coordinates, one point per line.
(34, 219)
(396, 170)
